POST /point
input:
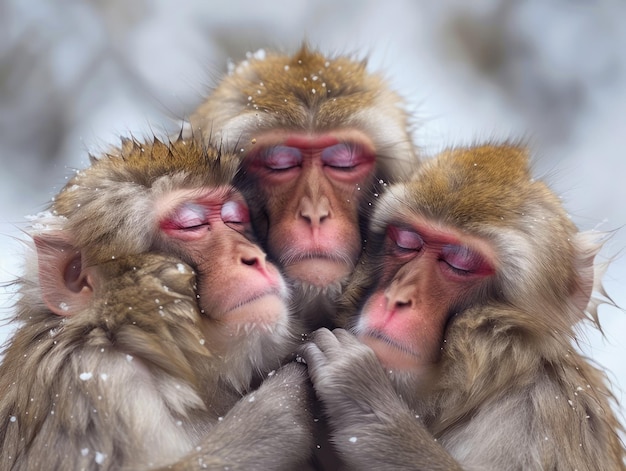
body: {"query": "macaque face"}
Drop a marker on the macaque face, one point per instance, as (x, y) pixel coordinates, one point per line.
(211, 228)
(178, 199)
(315, 134)
(430, 272)
(312, 184)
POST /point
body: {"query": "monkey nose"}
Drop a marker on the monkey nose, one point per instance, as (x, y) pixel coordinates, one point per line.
(314, 211)
(253, 259)
(397, 298)
(256, 259)
(396, 304)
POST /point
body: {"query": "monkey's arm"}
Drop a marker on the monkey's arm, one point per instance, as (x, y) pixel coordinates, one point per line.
(372, 428)
(270, 428)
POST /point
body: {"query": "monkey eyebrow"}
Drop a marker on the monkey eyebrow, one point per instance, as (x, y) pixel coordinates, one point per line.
(233, 194)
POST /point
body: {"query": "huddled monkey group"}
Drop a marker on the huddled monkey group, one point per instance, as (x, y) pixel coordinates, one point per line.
(287, 285)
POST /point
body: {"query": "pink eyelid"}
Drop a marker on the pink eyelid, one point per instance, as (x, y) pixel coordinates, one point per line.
(459, 257)
(189, 215)
(235, 211)
(406, 239)
(282, 157)
(463, 258)
(342, 155)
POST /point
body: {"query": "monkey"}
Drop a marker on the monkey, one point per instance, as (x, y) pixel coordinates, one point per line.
(457, 349)
(147, 315)
(319, 139)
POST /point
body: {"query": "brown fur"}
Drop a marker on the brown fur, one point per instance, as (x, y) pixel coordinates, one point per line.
(509, 391)
(124, 379)
(68, 384)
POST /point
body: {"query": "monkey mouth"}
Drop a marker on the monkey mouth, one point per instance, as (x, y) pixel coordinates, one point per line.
(254, 298)
(292, 257)
(390, 352)
(377, 335)
(317, 268)
(266, 308)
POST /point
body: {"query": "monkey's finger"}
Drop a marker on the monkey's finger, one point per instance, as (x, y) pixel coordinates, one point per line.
(313, 356)
(346, 338)
(322, 331)
(326, 340)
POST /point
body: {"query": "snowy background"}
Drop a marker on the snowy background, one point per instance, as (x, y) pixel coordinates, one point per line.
(75, 74)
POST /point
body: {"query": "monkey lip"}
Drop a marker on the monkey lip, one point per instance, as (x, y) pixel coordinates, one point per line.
(317, 268)
(267, 307)
(391, 353)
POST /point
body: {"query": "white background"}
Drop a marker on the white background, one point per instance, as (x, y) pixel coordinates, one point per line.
(74, 75)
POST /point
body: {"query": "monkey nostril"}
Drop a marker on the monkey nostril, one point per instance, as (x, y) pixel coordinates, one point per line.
(399, 304)
(306, 217)
(250, 261)
(315, 217)
(396, 301)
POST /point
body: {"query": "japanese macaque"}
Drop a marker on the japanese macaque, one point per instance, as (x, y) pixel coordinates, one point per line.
(319, 138)
(118, 363)
(461, 354)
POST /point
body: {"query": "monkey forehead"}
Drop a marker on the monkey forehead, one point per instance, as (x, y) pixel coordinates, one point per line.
(144, 163)
(478, 186)
(111, 207)
(308, 91)
(136, 170)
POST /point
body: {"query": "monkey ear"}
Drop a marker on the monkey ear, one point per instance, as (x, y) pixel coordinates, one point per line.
(66, 286)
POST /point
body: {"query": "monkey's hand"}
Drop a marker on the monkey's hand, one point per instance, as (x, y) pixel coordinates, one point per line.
(372, 428)
(270, 428)
(348, 378)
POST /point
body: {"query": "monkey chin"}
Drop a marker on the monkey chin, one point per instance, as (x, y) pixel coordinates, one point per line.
(251, 339)
(318, 271)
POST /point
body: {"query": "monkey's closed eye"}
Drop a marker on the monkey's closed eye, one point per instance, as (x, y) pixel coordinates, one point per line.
(236, 215)
(235, 212)
(405, 239)
(281, 158)
(342, 156)
(189, 216)
(464, 261)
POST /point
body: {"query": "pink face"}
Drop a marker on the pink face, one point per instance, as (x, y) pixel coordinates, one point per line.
(312, 185)
(236, 285)
(428, 272)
